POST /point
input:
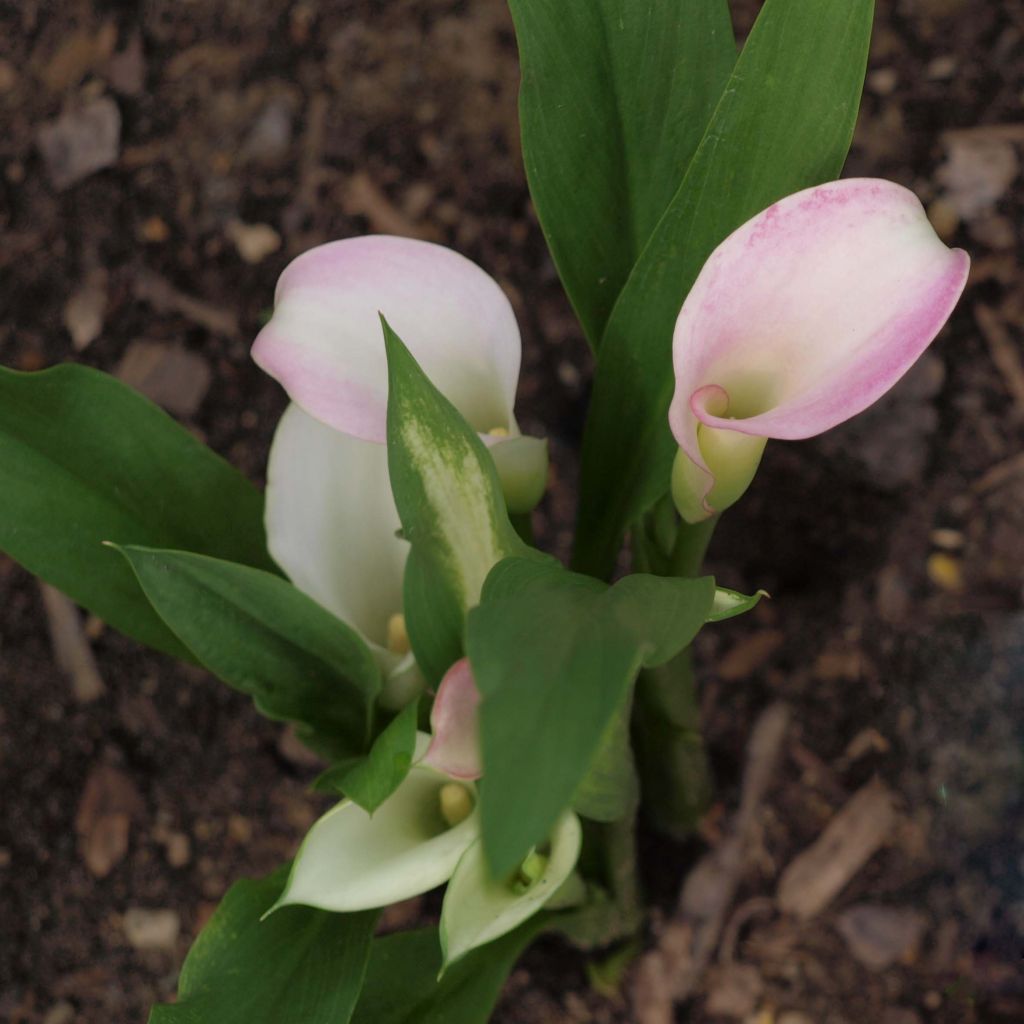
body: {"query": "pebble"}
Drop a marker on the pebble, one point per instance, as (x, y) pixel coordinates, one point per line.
(8, 76)
(254, 242)
(151, 929)
(883, 82)
(178, 849)
(944, 217)
(154, 229)
(945, 571)
(60, 1013)
(271, 132)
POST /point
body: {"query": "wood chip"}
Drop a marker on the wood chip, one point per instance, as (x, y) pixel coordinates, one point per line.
(363, 197)
(109, 803)
(80, 142)
(167, 374)
(86, 308)
(70, 647)
(151, 929)
(1004, 132)
(126, 70)
(254, 242)
(165, 298)
(999, 474)
(749, 654)
(978, 172)
(1005, 352)
(734, 991)
(880, 936)
(815, 877)
(670, 972)
(77, 55)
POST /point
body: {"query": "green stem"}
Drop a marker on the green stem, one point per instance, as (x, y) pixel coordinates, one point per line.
(671, 757)
(691, 545)
(522, 523)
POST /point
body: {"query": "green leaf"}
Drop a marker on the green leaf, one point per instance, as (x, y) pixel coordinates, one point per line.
(259, 634)
(784, 122)
(300, 966)
(402, 987)
(84, 459)
(554, 655)
(615, 97)
(369, 781)
(450, 503)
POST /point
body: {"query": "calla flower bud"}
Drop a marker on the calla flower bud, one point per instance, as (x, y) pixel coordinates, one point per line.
(522, 464)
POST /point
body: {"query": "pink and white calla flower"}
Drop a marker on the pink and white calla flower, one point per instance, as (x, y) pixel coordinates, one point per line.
(324, 342)
(330, 516)
(425, 834)
(800, 319)
(454, 725)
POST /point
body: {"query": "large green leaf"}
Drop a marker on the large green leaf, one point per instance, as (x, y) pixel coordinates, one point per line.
(264, 637)
(615, 97)
(84, 459)
(402, 987)
(299, 966)
(450, 503)
(784, 122)
(554, 655)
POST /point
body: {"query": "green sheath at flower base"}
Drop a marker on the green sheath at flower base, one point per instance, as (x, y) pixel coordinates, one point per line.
(732, 457)
(522, 464)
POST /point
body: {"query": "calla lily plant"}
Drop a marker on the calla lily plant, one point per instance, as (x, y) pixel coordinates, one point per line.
(800, 319)
(388, 569)
(333, 527)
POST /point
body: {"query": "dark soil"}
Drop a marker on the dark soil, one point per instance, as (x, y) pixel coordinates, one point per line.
(893, 548)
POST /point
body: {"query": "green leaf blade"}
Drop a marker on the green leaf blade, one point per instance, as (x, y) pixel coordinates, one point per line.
(784, 122)
(401, 980)
(84, 459)
(554, 655)
(300, 966)
(615, 96)
(261, 635)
